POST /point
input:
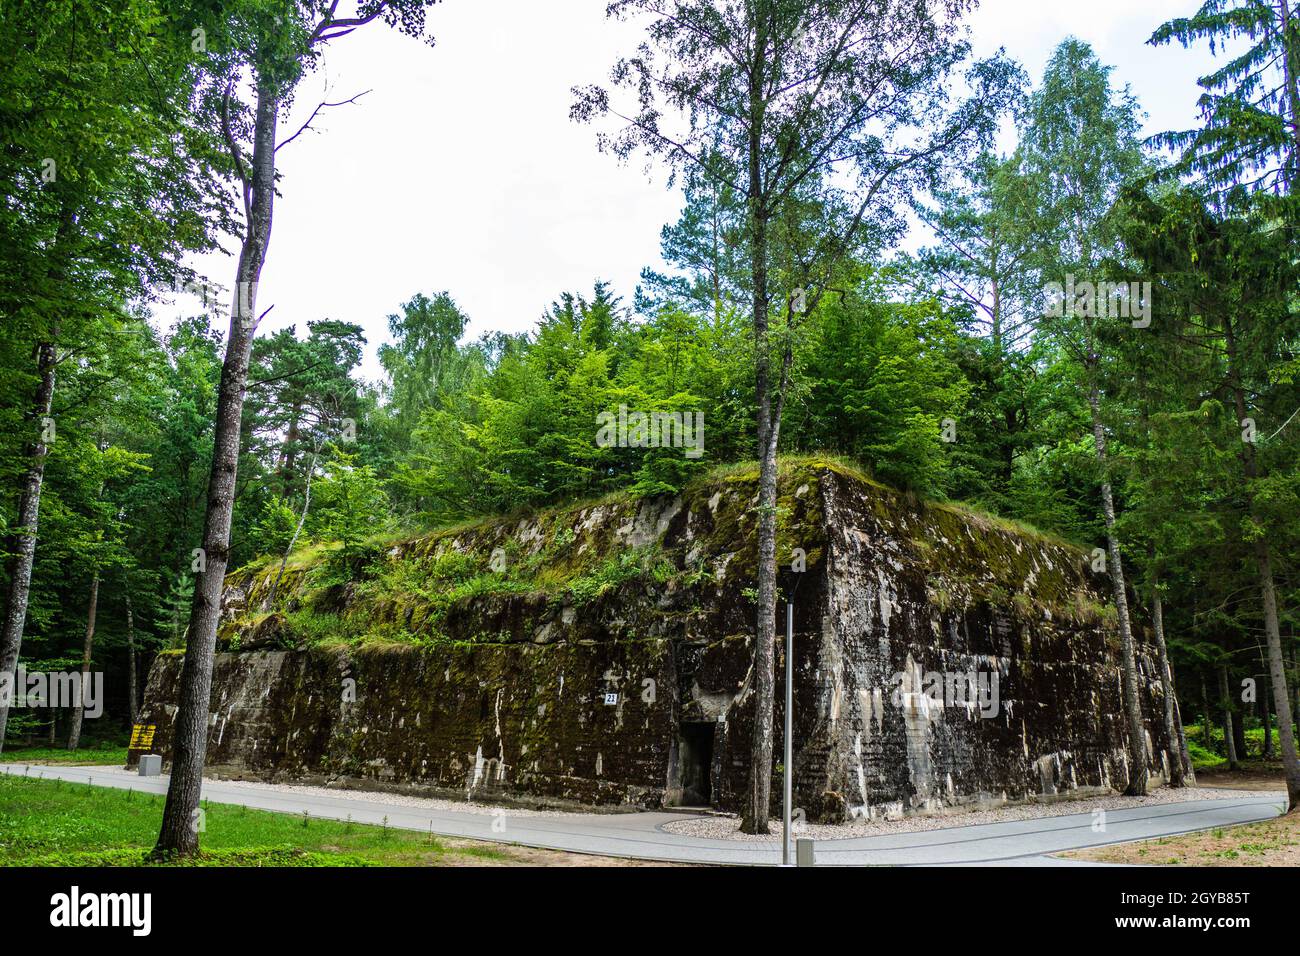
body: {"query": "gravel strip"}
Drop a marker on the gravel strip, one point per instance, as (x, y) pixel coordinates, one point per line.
(400, 799)
(728, 827)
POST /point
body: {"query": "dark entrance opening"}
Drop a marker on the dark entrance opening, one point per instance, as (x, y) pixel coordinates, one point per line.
(695, 754)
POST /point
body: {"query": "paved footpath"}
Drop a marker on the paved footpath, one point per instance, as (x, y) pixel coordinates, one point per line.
(1013, 843)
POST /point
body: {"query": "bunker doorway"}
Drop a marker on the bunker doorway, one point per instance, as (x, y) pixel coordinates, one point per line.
(695, 750)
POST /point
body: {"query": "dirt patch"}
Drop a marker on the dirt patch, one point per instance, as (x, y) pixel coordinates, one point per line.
(1268, 843)
(1253, 777)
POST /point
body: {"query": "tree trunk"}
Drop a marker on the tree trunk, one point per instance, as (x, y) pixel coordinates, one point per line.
(1189, 772)
(1173, 725)
(717, 261)
(132, 666)
(1206, 716)
(764, 647)
(79, 712)
(293, 542)
(288, 455)
(1137, 782)
(1266, 716)
(25, 528)
(1239, 735)
(1289, 65)
(754, 819)
(1281, 695)
(1229, 737)
(179, 832)
(1268, 593)
(1295, 669)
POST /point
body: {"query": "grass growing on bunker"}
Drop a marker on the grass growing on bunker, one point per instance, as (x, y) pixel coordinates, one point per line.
(58, 823)
(420, 590)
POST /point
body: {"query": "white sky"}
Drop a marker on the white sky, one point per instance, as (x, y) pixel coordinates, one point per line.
(461, 170)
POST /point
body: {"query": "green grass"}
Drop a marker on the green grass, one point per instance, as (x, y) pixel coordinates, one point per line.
(1203, 759)
(56, 823)
(1214, 757)
(104, 754)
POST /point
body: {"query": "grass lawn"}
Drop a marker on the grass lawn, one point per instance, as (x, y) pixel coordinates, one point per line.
(56, 823)
(1268, 843)
(108, 756)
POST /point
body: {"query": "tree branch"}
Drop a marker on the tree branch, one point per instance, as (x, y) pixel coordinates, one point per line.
(320, 106)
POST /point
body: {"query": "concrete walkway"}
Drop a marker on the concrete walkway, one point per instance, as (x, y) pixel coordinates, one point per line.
(1014, 843)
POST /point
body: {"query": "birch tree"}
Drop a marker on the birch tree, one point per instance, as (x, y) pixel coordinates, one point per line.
(1081, 147)
(842, 107)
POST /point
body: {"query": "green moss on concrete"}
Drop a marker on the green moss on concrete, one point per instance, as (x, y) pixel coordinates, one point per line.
(492, 580)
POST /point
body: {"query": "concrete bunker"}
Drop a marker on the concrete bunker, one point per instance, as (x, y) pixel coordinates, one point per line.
(611, 665)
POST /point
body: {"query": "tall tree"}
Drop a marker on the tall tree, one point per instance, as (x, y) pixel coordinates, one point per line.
(303, 394)
(275, 45)
(109, 179)
(78, 712)
(1232, 299)
(707, 244)
(981, 267)
(796, 105)
(1249, 140)
(1247, 149)
(1081, 147)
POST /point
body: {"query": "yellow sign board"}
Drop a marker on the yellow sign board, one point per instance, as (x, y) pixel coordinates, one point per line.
(142, 736)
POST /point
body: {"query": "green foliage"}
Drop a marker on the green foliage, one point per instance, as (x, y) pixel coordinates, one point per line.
(1203, 759)
(350, 503)
(887, 352)
(609, 575)
(276, 527)
(882, 381)
(174, 610)
(523, 430)
(1247, 143)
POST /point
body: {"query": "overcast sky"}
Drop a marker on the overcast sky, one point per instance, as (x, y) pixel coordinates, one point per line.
(460, 169)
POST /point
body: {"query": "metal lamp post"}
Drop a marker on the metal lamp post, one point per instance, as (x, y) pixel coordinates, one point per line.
(789, 736)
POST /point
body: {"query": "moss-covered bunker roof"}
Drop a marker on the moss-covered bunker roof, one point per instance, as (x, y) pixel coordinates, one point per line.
(403, 591)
